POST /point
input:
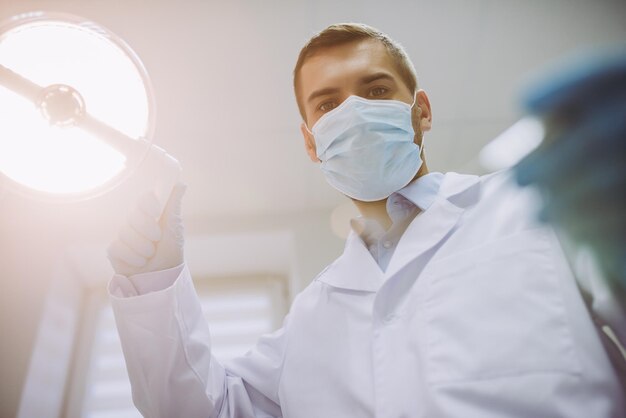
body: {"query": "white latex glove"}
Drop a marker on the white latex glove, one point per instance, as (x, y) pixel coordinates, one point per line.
(147, 243)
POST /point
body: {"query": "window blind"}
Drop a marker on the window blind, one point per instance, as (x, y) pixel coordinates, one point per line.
(238, 310)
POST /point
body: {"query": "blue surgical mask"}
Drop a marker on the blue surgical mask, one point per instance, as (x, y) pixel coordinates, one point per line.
(366, 147)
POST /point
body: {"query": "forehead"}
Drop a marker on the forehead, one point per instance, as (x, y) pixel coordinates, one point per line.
(339, 66)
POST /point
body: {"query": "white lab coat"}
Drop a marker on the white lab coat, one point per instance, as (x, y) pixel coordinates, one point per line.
(478, 315)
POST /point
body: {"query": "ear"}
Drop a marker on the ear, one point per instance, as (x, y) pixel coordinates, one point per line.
(425, 114)
(309, 143)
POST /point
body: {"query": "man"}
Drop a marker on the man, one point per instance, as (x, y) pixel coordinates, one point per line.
(448, 301)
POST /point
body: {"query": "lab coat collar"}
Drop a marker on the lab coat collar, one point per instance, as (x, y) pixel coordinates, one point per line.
(422, 192)
(357, 270)
(462, 190)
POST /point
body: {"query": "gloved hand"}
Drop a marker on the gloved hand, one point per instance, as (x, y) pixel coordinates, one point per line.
(580, 168)
(147, 243)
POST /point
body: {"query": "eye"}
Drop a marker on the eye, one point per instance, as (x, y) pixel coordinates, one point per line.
(378, 91)
(327, 106)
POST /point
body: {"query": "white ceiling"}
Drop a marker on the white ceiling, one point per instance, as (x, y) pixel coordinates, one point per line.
(222, 75)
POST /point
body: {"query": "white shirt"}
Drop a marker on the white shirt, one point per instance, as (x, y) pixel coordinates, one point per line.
(476, 315)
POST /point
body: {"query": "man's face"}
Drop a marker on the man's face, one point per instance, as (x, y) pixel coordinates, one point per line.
(360, 68)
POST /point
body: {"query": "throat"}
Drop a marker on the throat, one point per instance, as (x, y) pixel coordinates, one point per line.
(376, 211)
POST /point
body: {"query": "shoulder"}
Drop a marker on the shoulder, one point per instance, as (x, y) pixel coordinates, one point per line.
(494, 191)
(499, 181)
(312, 296)
(499, 208)
(315, 288)
(504, 199)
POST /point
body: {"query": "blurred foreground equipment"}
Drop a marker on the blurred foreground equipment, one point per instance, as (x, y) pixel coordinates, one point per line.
(580, 166)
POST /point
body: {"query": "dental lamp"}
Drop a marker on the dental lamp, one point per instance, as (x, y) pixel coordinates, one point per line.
(77, 111)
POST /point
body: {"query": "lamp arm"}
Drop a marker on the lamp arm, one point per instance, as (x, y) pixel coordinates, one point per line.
(68, 101)
(166, 167)
(20, 85)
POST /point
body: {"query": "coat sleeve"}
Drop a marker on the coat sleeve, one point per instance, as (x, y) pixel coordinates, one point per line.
(167, 347)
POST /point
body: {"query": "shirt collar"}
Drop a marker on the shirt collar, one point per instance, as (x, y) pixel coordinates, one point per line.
(421, 192)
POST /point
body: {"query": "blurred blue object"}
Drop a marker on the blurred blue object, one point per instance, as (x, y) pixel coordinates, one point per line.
(580, 167)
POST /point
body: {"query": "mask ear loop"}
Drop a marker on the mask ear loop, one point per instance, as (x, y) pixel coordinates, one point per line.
(423, 135)
(311, 133)
(307, 129)
(414, 100)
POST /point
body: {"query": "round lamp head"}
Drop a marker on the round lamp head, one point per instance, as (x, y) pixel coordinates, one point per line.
(67, 86)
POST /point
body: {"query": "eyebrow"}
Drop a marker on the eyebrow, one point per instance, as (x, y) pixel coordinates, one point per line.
(364, 80)
(375, 77)
(322, 92)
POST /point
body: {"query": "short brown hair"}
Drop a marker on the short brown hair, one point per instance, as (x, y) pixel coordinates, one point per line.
(342, 33)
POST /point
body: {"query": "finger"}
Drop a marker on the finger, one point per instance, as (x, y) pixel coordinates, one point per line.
(121, 252)
(145, 225)
(174, 203)
(149, 205)
(172, 218)
(137, 242)
(122, 268)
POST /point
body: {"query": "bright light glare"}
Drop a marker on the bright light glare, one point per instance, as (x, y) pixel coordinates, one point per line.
(512, 145)
(51, 159)
(67, 160)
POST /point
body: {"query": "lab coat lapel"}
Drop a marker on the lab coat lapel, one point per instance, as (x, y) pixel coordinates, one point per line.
(422, 240)
(425, 232)
(428, 229)
(356, 269)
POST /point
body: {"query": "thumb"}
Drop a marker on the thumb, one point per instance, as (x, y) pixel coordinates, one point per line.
(169, 250)
(174, 204)
(172, 221)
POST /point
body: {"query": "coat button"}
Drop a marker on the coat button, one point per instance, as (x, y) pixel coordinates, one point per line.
(389, 318)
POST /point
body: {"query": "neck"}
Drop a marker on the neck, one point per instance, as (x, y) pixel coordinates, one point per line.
(378, 210)
(375, 210)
